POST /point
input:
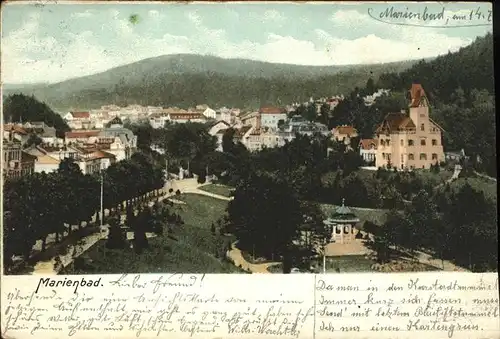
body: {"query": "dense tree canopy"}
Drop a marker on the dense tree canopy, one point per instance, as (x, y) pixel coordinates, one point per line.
(265, 215)
(22, 108)
(41, 204)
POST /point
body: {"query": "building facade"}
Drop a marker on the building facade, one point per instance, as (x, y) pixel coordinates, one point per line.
(410, 141)
(15, 162)
(368, 150)
(270, 116)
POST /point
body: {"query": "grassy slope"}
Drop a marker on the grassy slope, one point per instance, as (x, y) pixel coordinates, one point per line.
(217, 189)
(489, 187)
(191, 251)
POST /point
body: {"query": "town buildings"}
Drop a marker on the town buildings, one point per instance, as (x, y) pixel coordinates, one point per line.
(218, 129)
(15, 162)
(251, 119)
(368, 150)
(344, 134)
(410, 140)
(78, 120)
(270, 117)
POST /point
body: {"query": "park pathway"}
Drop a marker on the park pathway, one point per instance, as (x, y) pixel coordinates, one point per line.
(85, 243)
(484, 176)
(444, 265)
(239, 261)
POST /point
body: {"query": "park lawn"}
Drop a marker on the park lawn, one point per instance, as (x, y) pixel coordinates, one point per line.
(376, 216)
(190, 249)
(432, 178)
(489, 187)
(345, 264)
(223, 190)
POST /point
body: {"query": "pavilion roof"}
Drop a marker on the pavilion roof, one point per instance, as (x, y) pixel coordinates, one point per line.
(343, 214)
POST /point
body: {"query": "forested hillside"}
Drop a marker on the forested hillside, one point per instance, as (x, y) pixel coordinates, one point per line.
(460, 89)
(187, 80)
(469, 68)
(22, 108)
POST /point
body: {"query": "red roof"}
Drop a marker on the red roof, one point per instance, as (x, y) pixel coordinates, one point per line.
(416, 93)
(346, 130)
(14, 128)
(81, 134)
(396, 122)
(101, 154)
(271, 110)
(80, 115)
(367, 143)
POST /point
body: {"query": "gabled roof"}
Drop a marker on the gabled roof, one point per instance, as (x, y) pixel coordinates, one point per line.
(366, 143)
(345, 130)
(80, 115)
(36, 150)
(417, 93)
(396, 122)
(435, 123)
(15, 128)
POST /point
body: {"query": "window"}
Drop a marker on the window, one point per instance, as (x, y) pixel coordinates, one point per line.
(383, 155)
(411, 157)
(382, 142)
(434, 142)
(422, 142)
(402, 142)
(434, 156)
(422, 127)
(410, 142)
(388, 142)
(423, 156)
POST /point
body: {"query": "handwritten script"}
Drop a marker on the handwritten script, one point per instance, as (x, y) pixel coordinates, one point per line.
(424, 16)
(257, 306)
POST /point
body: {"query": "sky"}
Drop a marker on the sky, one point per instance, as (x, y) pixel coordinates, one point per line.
(57, 41)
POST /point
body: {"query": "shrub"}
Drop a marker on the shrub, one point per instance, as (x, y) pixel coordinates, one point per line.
(178, 192)
(79, 263)
(116, 237)
(170, 190)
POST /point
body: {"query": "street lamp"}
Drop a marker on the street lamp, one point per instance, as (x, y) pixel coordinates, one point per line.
(102, 194)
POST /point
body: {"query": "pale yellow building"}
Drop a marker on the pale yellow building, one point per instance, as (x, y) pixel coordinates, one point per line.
(410, 141)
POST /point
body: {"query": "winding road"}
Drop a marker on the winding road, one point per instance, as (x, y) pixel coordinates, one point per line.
(50, 267)
(234, 254)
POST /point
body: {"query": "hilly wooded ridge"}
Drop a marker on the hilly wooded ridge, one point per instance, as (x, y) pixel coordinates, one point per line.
(469, 68)
(186, 80)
